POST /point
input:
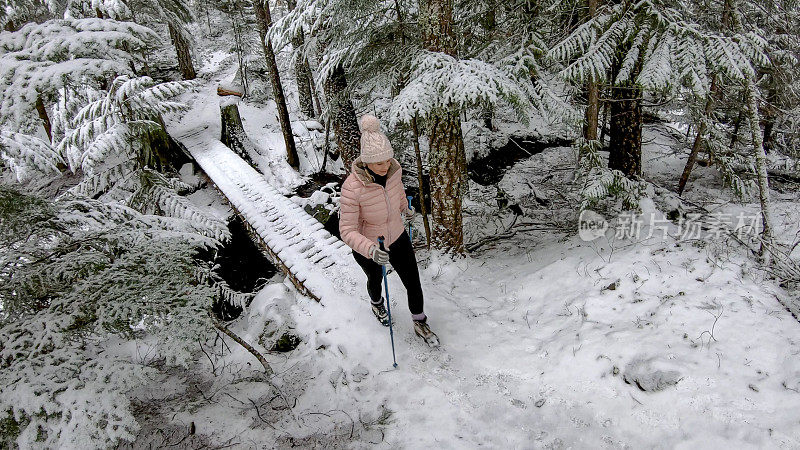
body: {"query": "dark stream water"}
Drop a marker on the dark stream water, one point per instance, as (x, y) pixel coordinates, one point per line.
(491, 168)
(242, 265)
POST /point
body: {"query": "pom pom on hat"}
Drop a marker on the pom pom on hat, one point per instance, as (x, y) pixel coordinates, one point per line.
(370, 123)
(375, 146)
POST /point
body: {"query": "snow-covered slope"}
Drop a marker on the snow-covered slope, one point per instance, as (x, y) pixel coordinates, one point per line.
(548, 341)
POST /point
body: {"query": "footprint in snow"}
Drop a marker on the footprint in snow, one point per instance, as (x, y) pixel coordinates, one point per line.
(358, 373)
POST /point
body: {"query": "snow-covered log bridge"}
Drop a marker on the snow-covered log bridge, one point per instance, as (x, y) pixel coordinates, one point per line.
(312, 258)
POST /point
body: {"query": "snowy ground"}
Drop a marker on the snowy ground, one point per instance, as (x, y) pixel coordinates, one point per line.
(548, 341)
(536, 353)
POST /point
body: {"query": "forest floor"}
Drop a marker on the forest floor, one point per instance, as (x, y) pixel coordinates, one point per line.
(547, 341)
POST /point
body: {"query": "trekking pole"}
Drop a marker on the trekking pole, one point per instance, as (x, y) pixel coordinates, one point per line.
(410, 225)
(388, 307)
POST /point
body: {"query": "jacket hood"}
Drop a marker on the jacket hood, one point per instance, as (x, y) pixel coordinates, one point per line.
(360, 170)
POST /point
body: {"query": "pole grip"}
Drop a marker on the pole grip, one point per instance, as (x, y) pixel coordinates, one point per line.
(380, 243)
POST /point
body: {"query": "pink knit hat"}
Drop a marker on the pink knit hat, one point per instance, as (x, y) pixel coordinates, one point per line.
(375, 146)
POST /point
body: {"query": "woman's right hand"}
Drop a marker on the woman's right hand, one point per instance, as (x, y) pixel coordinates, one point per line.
(379, 256)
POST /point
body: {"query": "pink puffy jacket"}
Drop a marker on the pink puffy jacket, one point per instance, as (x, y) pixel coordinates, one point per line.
(367, 210)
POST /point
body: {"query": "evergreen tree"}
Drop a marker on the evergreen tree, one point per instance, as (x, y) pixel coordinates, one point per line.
(653, 47)
(377, 47)
(302, 72)
(76, 275)
(40, 61)
(264, 19)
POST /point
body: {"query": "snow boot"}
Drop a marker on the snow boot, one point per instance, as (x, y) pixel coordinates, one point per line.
(380, 312)
(424, 331)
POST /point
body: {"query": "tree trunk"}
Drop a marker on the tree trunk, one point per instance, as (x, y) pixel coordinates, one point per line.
(326, 147)
(305, 96)
(769, 115)
(593, 94)
(592, 111)
(45, 118)
(446, 175)
(736, 126)
(701, 130)
(159, 151)
(761, 169)
(233, 134)
(604, 124)
(487, 114)
(183, 51)
(703, 125)
(446, 151)
(264, 20)
(318, 102)
(345, 122)
(625, 146)
(302, 73)
(420, 182)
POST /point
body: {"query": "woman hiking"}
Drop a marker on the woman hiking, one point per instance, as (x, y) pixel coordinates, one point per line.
(372, 205)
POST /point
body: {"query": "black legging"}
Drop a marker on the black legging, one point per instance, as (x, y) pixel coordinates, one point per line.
(401, 256)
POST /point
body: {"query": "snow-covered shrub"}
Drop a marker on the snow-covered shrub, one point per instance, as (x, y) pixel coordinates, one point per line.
(118, 143)
(42, 59)
(598, 182)
(438, 80)
(671, 50)
(74, 276)
(736, 167)
(46, 69)
(25, 155)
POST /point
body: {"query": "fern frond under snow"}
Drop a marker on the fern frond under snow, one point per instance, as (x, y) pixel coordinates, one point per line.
(731, 164)
(601, 183)
(439, 80)
(25, 155)
(666, 45)
(113, 141)
(100, 183)
(159, 190)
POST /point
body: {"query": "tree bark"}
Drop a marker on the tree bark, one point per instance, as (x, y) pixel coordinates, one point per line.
(593, 94)
(701, 128)
(769, 115)
(264, 20)
(343, 114)
(183, 51)
(625, 146)
(446, 175)
(302, 73)
(761, 169)
(420, 182)
(604, 124)
(698, 140)
(48, 128)
(233, 134)
(446, 150)
(305, 96)
(736, 126)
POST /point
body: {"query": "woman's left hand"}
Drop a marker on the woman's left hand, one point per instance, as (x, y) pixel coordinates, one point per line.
(409, 213)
